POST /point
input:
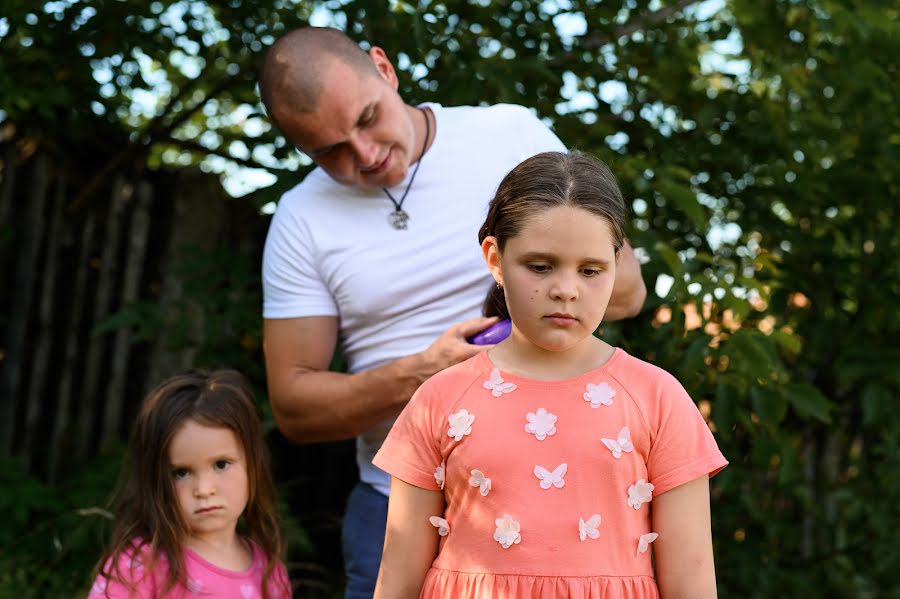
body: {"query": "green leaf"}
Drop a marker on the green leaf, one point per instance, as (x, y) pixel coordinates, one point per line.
(769, 405)
(808, 402)
(670, 257)
(685, 200)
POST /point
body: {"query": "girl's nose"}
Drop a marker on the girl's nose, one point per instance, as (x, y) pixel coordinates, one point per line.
(203, 486)
(564, 288)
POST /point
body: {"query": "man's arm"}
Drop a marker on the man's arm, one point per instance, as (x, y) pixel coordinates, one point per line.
(311, 404)
(629, 291)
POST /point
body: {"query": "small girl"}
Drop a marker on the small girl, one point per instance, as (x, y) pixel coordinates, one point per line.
(198, 462)
(550, 465)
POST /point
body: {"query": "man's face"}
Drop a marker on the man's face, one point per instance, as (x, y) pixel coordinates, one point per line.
(361, 133)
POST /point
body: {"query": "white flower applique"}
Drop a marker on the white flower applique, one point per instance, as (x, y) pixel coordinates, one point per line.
(247, 591)
(588, 530)
(645, 540)
(478, 479)
(440, 524)
(554, 478)
(507, 533)
(541, 424)
(439, 475)
(620, 444)
(599, 395)
(460, 424)
(496, 385)
(639, 493)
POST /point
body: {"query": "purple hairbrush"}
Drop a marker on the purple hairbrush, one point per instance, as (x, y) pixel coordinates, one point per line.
(495, 333)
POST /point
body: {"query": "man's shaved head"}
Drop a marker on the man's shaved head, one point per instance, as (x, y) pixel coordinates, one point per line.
(293, 70)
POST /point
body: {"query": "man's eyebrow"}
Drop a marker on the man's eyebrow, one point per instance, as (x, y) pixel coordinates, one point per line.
(366, 111)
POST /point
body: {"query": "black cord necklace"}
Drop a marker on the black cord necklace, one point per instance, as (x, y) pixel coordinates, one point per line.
(398, 217)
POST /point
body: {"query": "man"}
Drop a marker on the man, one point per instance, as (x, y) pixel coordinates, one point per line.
(378, 247)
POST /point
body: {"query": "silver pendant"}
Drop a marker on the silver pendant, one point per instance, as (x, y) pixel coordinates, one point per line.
(399, 219)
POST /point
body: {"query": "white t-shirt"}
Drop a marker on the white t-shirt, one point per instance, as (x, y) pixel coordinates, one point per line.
(331, 250)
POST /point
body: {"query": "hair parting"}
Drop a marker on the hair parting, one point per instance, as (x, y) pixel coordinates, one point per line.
(545, 181)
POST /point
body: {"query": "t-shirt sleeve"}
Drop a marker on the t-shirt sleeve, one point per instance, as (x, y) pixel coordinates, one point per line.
(292, 285)
(682, 446)
(280, 586)
(129, 579)
(412, 451)
(537, 136)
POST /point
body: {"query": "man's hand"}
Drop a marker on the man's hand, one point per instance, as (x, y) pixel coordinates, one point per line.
(311, 404)
(452, 348)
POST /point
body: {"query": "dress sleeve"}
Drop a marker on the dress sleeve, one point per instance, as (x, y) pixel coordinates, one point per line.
(682, 446)
(292, 285)
(412, 451)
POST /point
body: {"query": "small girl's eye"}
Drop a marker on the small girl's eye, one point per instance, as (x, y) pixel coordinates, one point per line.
(539, 267)
(222, 464)
(591, 272)
(179, 473)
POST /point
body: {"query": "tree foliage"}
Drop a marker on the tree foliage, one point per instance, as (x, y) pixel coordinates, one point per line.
(758, 141)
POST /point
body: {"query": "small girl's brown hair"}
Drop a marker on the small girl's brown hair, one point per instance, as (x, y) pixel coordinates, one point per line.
(545, 181)
(147, 507)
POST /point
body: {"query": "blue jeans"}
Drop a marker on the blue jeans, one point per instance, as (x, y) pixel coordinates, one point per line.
(362, 538)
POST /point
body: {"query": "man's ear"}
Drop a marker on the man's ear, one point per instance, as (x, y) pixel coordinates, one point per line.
(384, 67)
(491, 252)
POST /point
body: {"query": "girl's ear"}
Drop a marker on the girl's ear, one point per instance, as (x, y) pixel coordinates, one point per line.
(491, 252)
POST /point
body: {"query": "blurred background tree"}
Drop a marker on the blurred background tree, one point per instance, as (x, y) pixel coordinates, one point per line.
(757, 140)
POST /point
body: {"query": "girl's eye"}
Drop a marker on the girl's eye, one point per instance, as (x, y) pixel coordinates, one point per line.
(591, 272)
(540, 268)
(222, 464)
(179, 473)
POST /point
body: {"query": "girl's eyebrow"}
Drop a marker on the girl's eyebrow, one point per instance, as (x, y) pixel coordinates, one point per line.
(552, 257)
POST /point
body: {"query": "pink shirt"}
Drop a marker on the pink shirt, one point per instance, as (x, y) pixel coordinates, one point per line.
(548, 484)
(204, 579)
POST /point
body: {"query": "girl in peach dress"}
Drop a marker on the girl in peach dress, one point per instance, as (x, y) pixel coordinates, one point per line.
(552, 465)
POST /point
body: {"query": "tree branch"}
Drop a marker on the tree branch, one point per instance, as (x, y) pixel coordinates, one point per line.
(193, 146)
(592, 42)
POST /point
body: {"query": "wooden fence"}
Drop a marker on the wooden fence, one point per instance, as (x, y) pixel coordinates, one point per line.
(79, 284)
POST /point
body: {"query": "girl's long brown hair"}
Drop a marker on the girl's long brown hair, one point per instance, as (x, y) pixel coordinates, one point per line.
(545, 181)
(146, 508)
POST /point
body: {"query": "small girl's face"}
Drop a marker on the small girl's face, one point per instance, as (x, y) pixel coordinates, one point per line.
(209, 473)
(558, 275)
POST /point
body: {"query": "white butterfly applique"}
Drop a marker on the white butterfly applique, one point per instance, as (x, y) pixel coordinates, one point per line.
(478, 479)
(589, 529)
(439, 475)
(645, 540)
(599, 395)
(620, 444)
(440, 524)
(554, 478)
(496, 385)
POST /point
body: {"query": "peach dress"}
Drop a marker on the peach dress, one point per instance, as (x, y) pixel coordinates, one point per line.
(548, 484)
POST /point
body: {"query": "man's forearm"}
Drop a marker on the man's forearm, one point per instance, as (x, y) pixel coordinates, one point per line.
(318, 406)
(629, 291)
